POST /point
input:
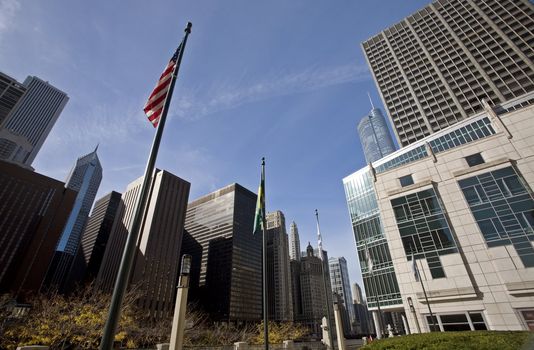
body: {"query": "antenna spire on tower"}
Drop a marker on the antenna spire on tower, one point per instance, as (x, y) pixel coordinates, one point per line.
(370, 100)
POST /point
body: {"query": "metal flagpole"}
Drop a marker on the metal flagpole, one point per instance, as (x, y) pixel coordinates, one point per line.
(328, 314)
(121, 283)
(426, 298)
(264, 263)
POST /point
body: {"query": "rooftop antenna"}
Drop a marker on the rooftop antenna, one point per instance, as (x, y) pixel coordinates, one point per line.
(370, 100)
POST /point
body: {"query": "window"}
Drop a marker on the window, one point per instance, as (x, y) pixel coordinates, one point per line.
(474, 159)
(406, 180)
(503, 208)
(465, 321)
(528, 316)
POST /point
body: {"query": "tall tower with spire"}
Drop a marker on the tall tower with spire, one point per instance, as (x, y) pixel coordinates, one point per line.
(294, 242)
(374, 135)
(84, 178)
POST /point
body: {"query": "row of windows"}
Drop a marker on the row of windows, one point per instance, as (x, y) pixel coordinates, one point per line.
(423, 228)
(480, 129)
(503, 208)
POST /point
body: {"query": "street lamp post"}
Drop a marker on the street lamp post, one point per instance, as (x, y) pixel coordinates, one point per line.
(412, 309)
(178, 321)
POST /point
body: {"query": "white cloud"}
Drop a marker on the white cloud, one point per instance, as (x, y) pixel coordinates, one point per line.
(8, 11)
(193, 104)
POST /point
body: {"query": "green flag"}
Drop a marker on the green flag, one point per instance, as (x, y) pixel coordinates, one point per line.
(260, 203)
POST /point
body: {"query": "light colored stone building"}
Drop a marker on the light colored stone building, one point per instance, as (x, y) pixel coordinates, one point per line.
(278, 269)
(460, 201)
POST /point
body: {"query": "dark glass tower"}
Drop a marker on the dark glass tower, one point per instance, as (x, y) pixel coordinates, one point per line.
(85, 178)
(96, 234)
(226, 271)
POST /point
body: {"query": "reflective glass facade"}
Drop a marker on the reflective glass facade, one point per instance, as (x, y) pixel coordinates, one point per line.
(374, 136)
(226, 269)
(382, 283)
(503, 208)
(424, 229)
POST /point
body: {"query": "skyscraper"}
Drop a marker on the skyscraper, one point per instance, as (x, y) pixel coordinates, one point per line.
(33, 210)
(361, 314)
(357, 296)
(434, 67)
(278, 269)
(313, 300)
(96, 234)
(227, 263)
(156, 265)
(85, 178)
(10, 93)
(339, 279)
(35, 114)
(374, 136)
(294, 242)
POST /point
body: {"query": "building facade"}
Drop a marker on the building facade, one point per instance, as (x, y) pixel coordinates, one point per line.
(294, 242)
(33, 210)
(84, 178)
(460, 203)
(312, 296)
(227, 257)
(34, 115)
(380, 282)
(374, 136)
(339, 279)
(156, 263)
(10, 93)
(96, 234)
(434, 67)
(362, 324)
(278, 269)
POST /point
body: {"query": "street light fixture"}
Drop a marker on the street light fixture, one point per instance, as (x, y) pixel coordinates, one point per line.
(178, 322)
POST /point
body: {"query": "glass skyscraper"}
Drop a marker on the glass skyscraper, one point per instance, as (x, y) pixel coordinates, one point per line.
(227, 265)
(84, 178)
(374, 136)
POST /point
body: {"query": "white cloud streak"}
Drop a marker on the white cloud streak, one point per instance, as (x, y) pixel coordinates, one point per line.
(195, 105)
(8, 11)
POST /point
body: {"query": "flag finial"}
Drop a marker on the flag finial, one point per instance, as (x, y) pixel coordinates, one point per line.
(188, 28)
(262, 160)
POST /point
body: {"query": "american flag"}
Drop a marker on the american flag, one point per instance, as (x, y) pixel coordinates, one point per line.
(154, 106)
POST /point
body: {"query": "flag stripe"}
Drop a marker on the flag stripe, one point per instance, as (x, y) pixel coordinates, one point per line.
(154, 106)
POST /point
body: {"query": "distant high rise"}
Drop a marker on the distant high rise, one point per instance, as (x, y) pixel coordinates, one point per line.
(294, 242)
(434, 67)
(374, 136)
(10, 93)
(312, 294)
(339, 279)
(35, 115)
(96, 234)
(227, 264)
(85, 178)
(33, 210)
(156, 265)
(278, 270)
(357, 296)
(362, 316)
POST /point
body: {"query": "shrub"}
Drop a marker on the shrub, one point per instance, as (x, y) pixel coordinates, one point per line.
(487, 340)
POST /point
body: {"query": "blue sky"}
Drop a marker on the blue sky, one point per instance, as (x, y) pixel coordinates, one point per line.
(282, 79)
